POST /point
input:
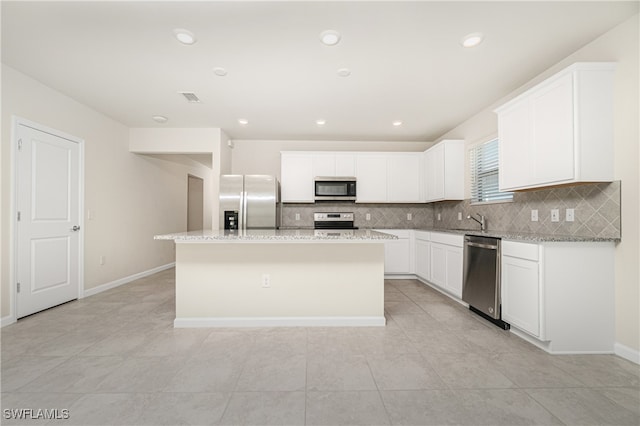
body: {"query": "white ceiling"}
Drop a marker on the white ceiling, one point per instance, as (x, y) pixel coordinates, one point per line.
(122, 59)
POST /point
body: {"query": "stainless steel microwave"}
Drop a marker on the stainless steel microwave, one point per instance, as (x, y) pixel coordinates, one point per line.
(331, 188)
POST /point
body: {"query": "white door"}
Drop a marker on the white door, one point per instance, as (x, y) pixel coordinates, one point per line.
(48, 227)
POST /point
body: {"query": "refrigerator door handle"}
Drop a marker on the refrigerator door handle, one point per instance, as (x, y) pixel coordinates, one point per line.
(243, 212)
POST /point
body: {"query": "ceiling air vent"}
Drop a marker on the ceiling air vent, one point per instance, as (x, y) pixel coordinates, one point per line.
(190, 97)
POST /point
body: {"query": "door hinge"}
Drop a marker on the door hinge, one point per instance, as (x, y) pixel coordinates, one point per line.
(19, 216)
(19, 144)
(18, 287)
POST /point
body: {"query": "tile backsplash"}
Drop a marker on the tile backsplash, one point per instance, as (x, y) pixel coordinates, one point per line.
(596, 212)
(390, 216)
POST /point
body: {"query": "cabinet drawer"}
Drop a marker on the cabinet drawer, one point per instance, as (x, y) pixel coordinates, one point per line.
(422, 235)
(449, 239)
(521, 250)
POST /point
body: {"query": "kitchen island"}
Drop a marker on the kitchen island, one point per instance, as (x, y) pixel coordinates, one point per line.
(266, 278)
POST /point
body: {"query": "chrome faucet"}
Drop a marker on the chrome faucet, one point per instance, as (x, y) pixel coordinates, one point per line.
(482, 221)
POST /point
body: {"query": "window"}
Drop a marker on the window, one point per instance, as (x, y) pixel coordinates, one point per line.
(484, 174)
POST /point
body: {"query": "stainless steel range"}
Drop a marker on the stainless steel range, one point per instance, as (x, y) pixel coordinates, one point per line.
(334, 220)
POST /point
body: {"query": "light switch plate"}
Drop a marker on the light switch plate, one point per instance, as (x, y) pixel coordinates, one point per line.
(297, 216)
(534, 215)
(439, 217)
(459, 215)
(409, 216)
(555, 215)
(570, 215)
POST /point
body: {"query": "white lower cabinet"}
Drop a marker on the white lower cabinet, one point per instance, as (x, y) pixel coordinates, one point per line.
(521, 286)
(561, 294)
(422, 241)
(446, 262)
(398, 253)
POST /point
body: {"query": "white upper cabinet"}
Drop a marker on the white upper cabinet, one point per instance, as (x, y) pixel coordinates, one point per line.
(382, 177)
(444, 171)
(296, 178)
(371, 175)
(334, 164)
(403, 177)
(324, 164)
(345, 164)
(560, 131)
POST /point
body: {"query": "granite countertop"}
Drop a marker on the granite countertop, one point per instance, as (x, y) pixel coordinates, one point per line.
(522, 236)
(278, 235)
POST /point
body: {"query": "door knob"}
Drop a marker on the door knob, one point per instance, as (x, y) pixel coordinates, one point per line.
(75, 228)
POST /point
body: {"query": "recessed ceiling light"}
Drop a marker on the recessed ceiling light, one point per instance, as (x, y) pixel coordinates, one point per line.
(219, 71)
(184, 36)
(160, 118)
(330, 37)
(243, 121)
(472, 40)
(344, 72)
(397, 123)
(321, 122)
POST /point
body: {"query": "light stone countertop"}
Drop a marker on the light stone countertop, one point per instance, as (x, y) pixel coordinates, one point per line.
(522, 236)
(278, 236)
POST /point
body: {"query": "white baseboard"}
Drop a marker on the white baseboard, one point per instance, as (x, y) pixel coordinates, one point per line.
(280, 322)
(125, 280)
(8, 320)
(627, 353)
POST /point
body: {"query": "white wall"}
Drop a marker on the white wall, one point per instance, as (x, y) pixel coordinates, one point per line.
(618, 45)
(212, 144)
(263, 156)
(132, 197)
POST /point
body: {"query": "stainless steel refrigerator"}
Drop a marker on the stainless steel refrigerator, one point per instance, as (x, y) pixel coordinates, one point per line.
(249, 202)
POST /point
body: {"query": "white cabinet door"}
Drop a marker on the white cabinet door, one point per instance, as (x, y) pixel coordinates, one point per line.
(397, 256)
(521, 294)
(438, 265)
(403, 177)
(371, 173)
(296, 178)
(345, 165)
(435, 173)
(446, 267)
(516, 151)
(443, 174)
(324, 165)
(454, 270)
(423, 259)
(552, 135)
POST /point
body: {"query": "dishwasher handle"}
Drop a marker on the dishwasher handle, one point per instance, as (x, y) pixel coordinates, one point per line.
(485, 246)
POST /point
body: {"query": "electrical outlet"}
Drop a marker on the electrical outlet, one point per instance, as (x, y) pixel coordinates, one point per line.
(297, 216)
(459, 215)
(367, 216)
(439, 216)
(266, 281)
(409, 216)
(570, 215)
(555, 215)
(534, 215)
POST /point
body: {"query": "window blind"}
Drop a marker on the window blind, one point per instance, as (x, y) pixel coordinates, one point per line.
(485, 172)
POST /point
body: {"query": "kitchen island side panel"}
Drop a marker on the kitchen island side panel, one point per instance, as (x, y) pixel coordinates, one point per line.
(219, 283)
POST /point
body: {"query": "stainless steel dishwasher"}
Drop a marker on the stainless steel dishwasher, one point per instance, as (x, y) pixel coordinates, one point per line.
(481, 277)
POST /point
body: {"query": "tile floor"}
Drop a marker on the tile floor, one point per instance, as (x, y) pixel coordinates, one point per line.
(114, 358)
